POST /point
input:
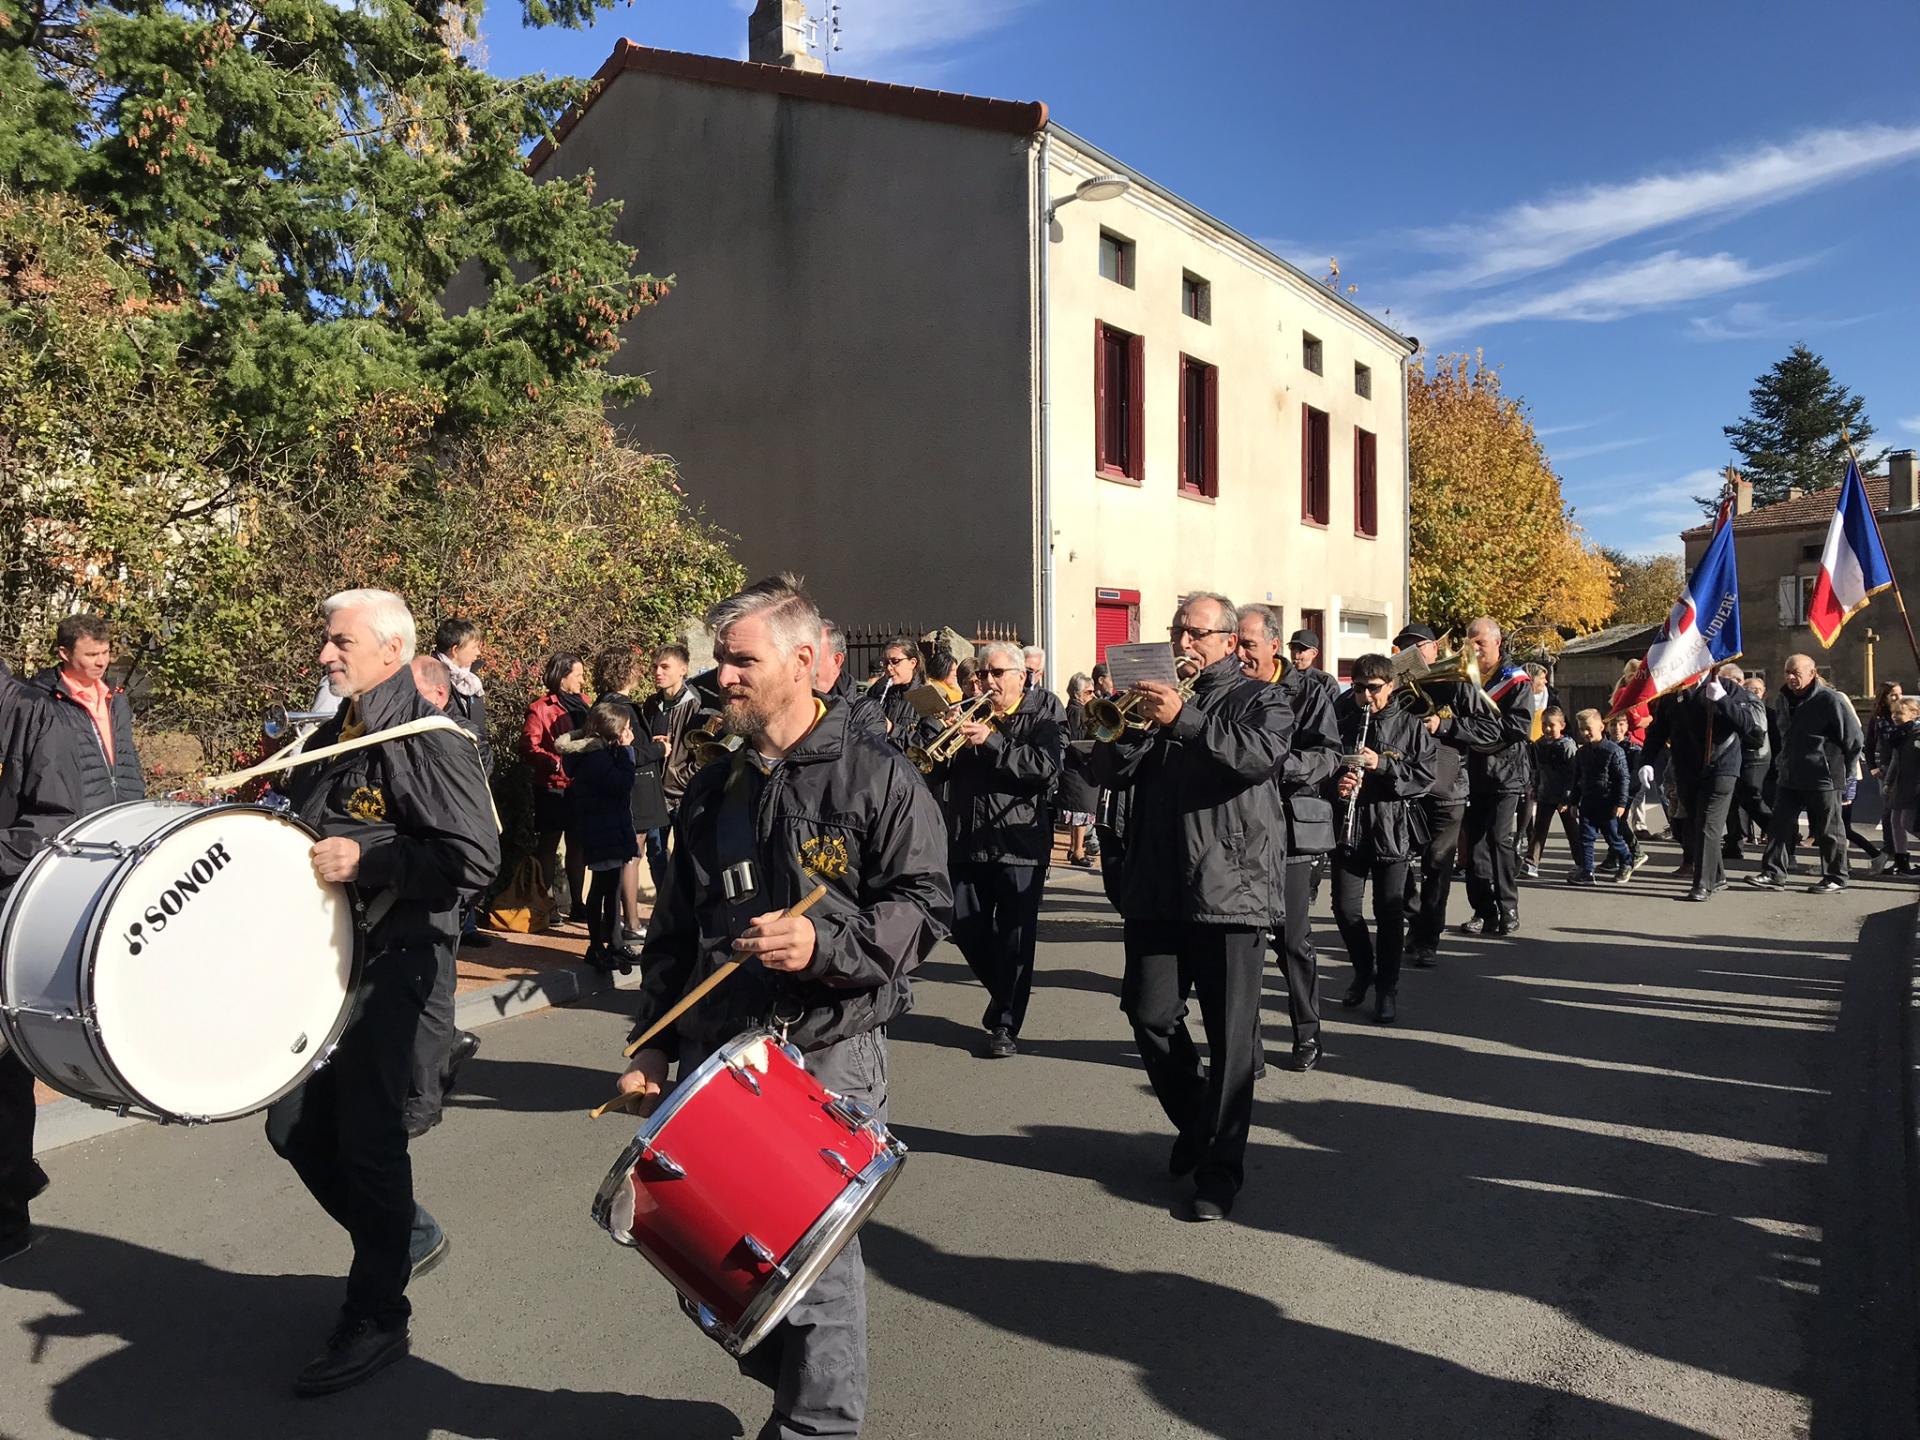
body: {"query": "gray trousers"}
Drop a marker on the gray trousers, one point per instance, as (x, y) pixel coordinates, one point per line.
(815, 1361)
(433, 1042)
(1822, 808)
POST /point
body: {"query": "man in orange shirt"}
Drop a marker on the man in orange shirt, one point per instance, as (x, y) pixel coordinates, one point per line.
(97, 715)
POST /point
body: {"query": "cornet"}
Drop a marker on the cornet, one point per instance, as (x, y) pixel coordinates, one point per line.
(1461, 670)
(947, 743)
(281, 721)
(1108, 720)
(708, 744)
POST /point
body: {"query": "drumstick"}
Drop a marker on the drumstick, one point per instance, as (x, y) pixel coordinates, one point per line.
(699, 992)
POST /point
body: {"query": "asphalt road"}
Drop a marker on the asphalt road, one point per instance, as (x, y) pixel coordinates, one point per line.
(1583, 1188)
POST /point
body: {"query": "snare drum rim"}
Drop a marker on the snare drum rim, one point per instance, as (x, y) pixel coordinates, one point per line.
(683, 1092)
(89, 943)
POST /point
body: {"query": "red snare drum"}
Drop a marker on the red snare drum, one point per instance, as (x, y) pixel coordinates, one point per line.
(745, 1183)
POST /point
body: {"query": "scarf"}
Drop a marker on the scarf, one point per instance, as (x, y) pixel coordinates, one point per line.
(464, 680)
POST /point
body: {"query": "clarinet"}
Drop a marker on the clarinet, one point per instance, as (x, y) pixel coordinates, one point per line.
(1353, 800)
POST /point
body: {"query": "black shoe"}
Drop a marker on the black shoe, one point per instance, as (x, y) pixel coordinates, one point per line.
(1356, 992)
(466, 1045)
(623, 958)
(355, 1350)
(1580, 877)
(15, 1243)
(598, 957)
(38, 1185)
(1384, 1012)
(1716, 887)
(1306, 1055)
(999, 1045)
(1827, 886)
(1422, 957)
(1697, 893)
(1184, 1160)
(1210, 1207)
(1766, 880)
(1476, 926)
(479, 939)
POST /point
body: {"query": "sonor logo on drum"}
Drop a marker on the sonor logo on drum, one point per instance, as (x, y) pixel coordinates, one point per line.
(172, 900)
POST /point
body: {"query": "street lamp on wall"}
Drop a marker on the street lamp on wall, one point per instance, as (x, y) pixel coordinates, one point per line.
(1095, 188)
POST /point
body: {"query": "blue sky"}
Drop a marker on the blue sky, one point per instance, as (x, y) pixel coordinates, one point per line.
(1633, 209)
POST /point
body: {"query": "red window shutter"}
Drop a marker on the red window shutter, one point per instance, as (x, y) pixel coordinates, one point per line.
(1212, 422)
(1101, 460)
(1137, 407)
(1306, 463)
(1187, 419)
(1110, 627)
(1370, 483)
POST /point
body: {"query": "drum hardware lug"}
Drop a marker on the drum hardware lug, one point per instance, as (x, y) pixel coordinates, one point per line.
(765, 1256)
(300, 1044)
(671, 1167)
(112, 849)
(792, 1052)
(745, 1077)
(838, 1162)
(856, 1115)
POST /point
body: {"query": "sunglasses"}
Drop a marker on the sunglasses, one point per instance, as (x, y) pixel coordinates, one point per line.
(899, 660)
(1001, 673)
(1174, 632)
(1374, 687)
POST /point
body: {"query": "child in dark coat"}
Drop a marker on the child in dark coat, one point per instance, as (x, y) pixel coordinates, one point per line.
(600, 768)
(1899, 758)
(1619, 729)
(1600, 781)
(1552, 788)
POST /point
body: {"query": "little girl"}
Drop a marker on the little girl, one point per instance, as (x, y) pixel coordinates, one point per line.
(1900, 779)
(600, 768)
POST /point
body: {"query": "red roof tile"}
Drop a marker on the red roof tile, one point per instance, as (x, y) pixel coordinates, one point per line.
(942, 106)
(1815, 509)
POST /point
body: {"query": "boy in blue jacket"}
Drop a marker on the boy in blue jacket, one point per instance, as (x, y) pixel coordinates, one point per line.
(1600, 791)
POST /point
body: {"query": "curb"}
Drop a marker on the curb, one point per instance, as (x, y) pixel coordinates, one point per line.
(69, 1121)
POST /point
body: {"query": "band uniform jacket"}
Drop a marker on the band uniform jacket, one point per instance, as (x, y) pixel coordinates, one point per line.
(1312, 756)
(842, 810)
(996, 792)
(1385, 827)
(1206, 839)
(1496, 730)
(39, 781)
(417, 806)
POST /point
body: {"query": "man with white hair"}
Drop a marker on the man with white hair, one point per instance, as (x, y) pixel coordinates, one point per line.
(806, 800)
(408, 825)
(1000, 837)
(1035, 659)
(1499, 737)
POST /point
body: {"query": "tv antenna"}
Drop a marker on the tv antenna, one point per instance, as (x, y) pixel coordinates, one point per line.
(825, 34)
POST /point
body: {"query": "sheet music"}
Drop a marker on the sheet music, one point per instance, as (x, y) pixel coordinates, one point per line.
(1130, 664)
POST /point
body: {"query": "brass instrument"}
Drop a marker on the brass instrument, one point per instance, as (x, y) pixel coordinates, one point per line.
(1417, 684)
(948, 742)
(1108, 720)
(280, 721)
(709, 744)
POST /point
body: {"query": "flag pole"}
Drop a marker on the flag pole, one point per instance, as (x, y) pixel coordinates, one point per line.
(1899, 600)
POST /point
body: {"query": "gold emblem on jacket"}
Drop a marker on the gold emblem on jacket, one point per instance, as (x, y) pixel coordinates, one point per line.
(367, 805)
(824, 857)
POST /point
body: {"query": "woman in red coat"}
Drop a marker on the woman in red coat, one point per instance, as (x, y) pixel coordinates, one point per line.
(548, 718)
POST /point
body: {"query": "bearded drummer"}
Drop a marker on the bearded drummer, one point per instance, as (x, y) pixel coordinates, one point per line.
(806, 800)
(408, 824)
(38, 799)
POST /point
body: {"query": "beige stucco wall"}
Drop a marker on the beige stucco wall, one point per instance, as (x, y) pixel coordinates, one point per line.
(1251, 543)
(843, 370)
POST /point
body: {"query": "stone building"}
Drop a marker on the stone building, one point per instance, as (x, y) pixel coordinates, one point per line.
(954, 363)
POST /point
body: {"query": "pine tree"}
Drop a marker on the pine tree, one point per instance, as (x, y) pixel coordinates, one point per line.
(1791, 436)
(299, 181)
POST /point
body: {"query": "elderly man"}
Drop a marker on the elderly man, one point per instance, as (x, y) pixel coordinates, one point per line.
(1706, 730)
(1820, 741)
(1304, 648)
(1035, 659)
(407, 824)
(39, 797)
(1201, 884)
(95, 713)
(1311, 760)
(1437, 815)
(1498, 732)
(831, 679)
(999, 839)
(807, 800)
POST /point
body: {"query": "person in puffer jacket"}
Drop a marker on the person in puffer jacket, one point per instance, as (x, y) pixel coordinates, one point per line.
(1552, 788)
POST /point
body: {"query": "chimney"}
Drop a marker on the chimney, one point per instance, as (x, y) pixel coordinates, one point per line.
(1903, 481)
(1742, 492)
(777, 35)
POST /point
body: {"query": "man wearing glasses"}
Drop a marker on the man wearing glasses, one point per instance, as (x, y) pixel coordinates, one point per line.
(1200, 884)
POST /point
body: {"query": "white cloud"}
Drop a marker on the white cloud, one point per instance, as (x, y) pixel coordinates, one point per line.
(1751, 320)
(880, 37)
(1656, 283)
(1543, 234)
(1603, 447)
(1541, 432)
(1911, 424)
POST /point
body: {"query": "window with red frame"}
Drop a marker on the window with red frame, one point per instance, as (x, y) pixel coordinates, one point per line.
(1366, 484)
(1316, 621)
(1199, 427)
(1316, 478)
(1119, 408)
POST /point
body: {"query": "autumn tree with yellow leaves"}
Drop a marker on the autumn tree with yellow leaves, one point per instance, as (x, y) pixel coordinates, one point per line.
(1491, 533)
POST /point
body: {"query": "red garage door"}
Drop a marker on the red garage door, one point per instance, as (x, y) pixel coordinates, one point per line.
(1116, 620)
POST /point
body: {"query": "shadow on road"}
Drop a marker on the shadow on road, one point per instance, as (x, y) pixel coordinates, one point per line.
(208, 1354)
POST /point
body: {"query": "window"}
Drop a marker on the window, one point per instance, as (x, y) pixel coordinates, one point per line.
(1199, 427)
(1119, 361)
(1360, 627)
(1366, 484)
(1196, 298)
(1116, 258)
(1311, 355)
(1116, 620)
(1795, 592)
(1316, 476)
(1362, 381)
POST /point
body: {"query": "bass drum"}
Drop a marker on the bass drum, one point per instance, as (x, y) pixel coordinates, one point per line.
(181, 962)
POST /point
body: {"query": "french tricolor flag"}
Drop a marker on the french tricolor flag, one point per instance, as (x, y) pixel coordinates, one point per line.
(1702, 630)
(1853, 567)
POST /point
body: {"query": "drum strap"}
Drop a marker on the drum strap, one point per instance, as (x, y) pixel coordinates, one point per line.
(737, 850)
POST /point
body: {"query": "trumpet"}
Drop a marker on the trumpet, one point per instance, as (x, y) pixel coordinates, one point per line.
(708, 744)
(1108, 720)
(1460, 670)
(947, 743)
(281, 721)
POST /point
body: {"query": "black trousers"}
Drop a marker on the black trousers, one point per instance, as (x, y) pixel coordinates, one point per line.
(1430, 885)
(1219, 966)
(1822, 809)
(1491, 861)
(1707, 829)
(21, 1178)
(433, 1041)
(1543, 818)
(344, 1131)
(1750, 807)
(1373, 964)
(1298, 959)
(996, 921)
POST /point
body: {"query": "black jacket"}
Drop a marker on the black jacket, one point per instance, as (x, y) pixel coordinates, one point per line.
(1312, 756)
(1819, 738)
(1707, 738)
(1496, 731)
(647, 802)
(471, 712)
(898, 721)
(1552, 772)
(1384, 826)
(417, 806)
(996, 793)
(1075, 791)
(673, 719)
(1900, 765)
(1601, 784)
(39, 777)
(603, 796)
(1205, 841)
(864, 712)
(101, 782)
(841, 810)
